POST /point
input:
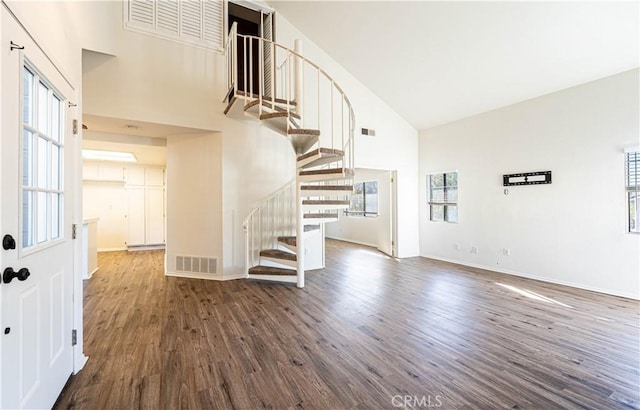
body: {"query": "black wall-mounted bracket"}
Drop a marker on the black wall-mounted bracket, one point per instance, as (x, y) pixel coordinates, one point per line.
(14, 46)
(527, 178)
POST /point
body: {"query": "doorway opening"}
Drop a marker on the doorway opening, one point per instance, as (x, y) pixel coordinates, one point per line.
(372, 216)
(255, 22)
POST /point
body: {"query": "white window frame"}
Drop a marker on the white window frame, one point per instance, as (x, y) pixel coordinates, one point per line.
(157, 32)
(364, 213)
(446, 204)
(36, 131)
(629, 188)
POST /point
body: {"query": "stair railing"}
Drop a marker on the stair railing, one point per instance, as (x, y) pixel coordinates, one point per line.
(312, 100)
(319, 104)
(273, 217)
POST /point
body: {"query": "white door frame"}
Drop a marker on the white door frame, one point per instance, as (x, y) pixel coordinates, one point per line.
(394, 213)
(387, 183)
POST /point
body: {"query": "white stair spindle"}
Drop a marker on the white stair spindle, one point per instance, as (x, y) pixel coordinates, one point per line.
(299, 78)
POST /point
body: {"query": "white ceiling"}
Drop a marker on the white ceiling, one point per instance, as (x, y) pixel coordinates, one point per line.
(135, 128)
(145, 154)
(146, 140)
(436, 62)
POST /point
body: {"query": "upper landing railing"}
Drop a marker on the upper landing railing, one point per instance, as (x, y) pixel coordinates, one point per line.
(282, 80)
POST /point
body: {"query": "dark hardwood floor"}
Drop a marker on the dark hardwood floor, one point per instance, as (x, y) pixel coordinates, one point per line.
(367, 332)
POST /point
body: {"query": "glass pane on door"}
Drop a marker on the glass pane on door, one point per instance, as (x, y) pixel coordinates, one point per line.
(43, 109)
(55, 167)
(41, 159)
(43, 148)
(27, 218)
(55, 119)
(27, 97)
(27, 159)
(56, 207)
(41, 205)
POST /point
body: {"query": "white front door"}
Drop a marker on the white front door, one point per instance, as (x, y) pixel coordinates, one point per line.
(36, 210)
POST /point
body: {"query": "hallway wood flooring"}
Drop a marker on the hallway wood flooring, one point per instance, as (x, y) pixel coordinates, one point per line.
(367, 332)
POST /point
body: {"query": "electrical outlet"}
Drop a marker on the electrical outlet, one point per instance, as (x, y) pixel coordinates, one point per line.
(474, 249)
(456, 246)
(506, 251)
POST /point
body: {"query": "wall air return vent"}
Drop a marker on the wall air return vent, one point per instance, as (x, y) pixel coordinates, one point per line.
(196, 264)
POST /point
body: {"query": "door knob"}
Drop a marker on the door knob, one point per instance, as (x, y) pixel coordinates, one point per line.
(9, 274)
(8, 242)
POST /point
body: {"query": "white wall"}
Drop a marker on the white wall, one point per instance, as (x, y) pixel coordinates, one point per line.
(194, 189)
(358, 229)
(107, 201)
(570, 232)
(395, 145)
(255, 163)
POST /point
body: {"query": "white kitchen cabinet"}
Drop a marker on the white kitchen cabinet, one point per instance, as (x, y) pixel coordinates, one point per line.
(146, 215)
(135, 175)
(102, 172)
(154, 177)
(136, 216)
(154, 215)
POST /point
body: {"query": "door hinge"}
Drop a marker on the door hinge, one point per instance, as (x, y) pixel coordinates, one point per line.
(74, 231)
(74, 337)
(75, 126)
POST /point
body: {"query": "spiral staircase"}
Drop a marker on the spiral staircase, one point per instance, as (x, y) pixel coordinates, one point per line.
(296, 98)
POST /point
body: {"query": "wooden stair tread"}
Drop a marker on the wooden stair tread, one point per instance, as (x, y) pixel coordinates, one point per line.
(288, 240)
(278, 254)
(322, 151)
(231, 102)
(327, 171)
(266, 98)
(348, 188)
(278, 114)
(320, 215)
(303, 131)
(270, 270)
(266, 103)
(325, 202)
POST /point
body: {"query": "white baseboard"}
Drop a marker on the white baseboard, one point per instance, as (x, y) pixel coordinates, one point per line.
(535, 277)
(145, 248)
(206, 276)
(80, 360)
(92, 272)
(235, 276)
(112, 249)
(352, 241)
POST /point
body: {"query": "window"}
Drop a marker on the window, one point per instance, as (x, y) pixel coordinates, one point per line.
(364, 200)
(195, 22)
(42, 161)
(443, 197)
(632, 173)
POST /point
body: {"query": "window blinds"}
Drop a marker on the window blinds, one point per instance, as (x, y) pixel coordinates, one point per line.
(632, 171)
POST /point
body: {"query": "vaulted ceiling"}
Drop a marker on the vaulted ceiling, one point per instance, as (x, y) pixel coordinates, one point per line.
(436, 62)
